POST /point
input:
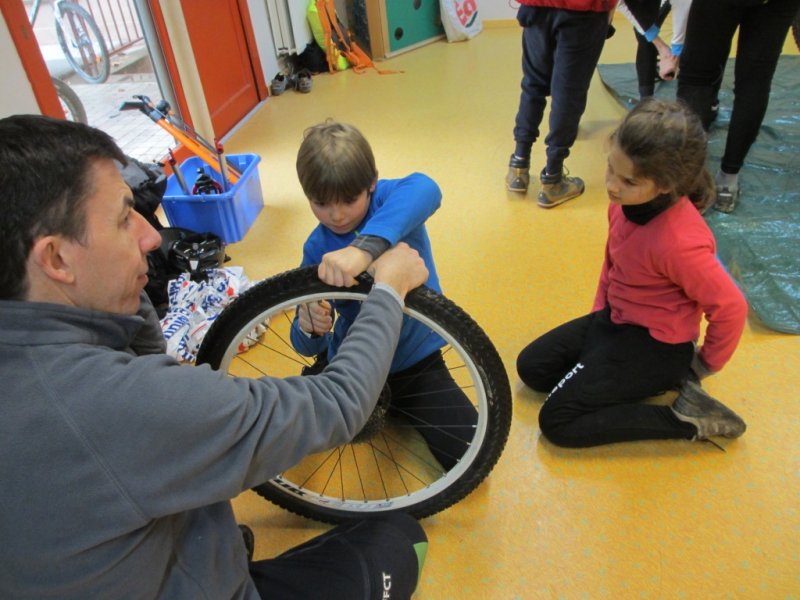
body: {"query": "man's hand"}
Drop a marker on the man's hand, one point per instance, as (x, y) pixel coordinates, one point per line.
(340, 267)
(315, 317)
(668, 68)
(667, 62)
(400, 267)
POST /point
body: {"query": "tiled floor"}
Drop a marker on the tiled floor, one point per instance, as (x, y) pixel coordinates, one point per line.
(131, 73)
(136, 134)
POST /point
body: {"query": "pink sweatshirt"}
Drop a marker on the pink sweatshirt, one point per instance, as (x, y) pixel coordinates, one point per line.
(664, 275)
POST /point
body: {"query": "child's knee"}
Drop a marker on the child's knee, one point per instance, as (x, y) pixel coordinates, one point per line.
(554, 426)
(533, 374)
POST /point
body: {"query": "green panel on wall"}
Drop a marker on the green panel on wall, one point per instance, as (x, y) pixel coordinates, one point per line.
(412, 21)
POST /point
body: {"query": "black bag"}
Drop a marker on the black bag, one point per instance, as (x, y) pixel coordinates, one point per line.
(148, 182)
(313, 58)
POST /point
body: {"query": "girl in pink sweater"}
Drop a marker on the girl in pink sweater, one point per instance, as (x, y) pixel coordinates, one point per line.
(659, 278)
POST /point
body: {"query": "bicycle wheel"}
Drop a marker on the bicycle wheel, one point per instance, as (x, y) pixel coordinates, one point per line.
(390, 468)
(70, 102)
(82, 43)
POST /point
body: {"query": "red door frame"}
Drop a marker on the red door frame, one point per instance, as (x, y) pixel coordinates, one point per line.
(33, 63)
(31, 57)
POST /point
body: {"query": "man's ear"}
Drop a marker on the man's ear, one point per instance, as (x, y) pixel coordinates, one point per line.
(51, 254)
(374, 184)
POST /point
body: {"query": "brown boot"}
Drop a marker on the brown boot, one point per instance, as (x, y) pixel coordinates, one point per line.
(518, 177)
(558, 188)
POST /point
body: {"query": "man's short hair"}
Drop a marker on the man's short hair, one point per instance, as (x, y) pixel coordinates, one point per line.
(44, 184)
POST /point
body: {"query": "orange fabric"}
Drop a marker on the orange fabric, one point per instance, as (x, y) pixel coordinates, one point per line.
(345, 45)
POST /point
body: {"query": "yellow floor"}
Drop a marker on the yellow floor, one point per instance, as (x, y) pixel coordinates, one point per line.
(640, 520)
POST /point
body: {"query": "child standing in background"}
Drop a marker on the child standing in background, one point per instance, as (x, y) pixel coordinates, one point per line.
(659, 277)
(360, 218)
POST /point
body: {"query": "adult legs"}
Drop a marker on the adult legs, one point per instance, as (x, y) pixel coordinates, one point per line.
(646, 13)
(762, 33)
(579, 39)
(356, 560)
(597, 400)
(646, 57)
(709, 33)
(426, 395)
(537, 66)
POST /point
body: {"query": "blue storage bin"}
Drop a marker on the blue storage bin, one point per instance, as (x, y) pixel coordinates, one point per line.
(229, 214)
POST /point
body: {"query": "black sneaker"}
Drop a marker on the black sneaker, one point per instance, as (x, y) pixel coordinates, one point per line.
(710, 416)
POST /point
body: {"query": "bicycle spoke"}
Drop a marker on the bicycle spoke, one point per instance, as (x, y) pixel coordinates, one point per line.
(394, 462)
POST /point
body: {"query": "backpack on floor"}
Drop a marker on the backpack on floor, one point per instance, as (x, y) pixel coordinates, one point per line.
(338, 42)
(148, 182)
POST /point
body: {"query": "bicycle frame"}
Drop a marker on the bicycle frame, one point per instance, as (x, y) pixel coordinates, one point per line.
(162, 116)
(34, 11)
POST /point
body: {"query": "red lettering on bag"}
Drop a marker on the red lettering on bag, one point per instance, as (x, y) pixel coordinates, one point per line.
(465, 11)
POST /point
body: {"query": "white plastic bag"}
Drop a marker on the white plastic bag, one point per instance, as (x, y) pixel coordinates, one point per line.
(193, 306)
(460, 19)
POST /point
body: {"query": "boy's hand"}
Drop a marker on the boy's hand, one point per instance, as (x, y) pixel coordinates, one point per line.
(315, 317)
(400, 267)
(340, 267)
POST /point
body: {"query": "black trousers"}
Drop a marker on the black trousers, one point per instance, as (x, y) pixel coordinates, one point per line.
(709, 34)
(355, 561)
(560, 50)
(597, 373)
(647, 13)
(426, 395)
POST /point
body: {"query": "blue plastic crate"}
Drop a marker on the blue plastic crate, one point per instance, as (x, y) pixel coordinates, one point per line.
(229, 214)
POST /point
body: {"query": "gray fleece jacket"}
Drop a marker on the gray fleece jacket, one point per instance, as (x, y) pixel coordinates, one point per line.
(117, 469)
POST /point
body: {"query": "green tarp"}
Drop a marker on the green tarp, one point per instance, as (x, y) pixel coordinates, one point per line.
(759, 243)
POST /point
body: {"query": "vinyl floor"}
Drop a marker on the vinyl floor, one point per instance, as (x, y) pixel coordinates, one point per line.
(656, 519)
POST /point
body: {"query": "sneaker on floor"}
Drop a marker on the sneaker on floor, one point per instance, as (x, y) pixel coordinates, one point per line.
(279, 84)
(558, 188)
(727, 198)
(518, 176)
(711, 417)
(302, 81)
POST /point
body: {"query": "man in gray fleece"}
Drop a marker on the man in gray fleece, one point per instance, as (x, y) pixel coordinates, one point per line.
(117, 465)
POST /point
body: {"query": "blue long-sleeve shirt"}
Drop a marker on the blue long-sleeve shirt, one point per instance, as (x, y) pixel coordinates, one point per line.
(397, 212)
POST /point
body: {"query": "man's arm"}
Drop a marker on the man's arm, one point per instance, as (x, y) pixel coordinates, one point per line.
(212, 436)
(399, 207)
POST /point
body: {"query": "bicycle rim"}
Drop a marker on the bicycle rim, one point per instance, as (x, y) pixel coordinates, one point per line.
(82, 43)
(392, 469)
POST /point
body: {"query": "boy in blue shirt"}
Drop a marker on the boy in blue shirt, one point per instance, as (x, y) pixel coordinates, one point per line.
(360, 218)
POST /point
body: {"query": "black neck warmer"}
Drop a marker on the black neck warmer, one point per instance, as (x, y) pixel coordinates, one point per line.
(642, 213)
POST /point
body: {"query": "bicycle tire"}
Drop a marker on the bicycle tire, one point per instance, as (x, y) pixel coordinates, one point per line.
(409, 482)
(70, 102)
(95, 67)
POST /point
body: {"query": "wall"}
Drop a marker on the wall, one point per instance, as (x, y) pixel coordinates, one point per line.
(497, 9)
(21, 99)
(263, 34)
